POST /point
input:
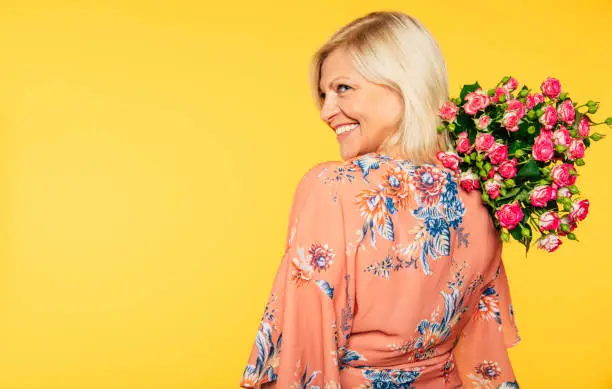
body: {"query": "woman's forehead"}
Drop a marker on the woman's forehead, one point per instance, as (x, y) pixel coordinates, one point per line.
(338, 64)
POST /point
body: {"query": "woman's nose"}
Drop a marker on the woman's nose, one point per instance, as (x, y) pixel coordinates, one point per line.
(329, 109)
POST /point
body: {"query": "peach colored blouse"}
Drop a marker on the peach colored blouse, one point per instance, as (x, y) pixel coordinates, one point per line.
(392, 278)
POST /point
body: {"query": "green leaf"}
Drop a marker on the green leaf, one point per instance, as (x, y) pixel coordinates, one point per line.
(530, 169)
(516, 233)
(511, 193)
(522, 131)
(587, 142)
(468, 89)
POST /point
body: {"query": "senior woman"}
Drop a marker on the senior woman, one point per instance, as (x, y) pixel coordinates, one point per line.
(392, 275)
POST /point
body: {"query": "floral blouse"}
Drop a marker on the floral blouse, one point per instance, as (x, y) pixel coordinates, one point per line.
(392, 278)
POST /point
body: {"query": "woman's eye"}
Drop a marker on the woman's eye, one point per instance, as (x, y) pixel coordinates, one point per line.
(342, 85)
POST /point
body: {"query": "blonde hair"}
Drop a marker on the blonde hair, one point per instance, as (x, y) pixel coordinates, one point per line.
(393, 49)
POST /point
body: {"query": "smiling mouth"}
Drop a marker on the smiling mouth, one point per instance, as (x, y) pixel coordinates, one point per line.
(346, 128)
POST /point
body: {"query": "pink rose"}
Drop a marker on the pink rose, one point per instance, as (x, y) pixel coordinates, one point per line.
(580, 210)
(469, 181)
(448, 111)
(507, 169)
(551, 87)
(492, 188)
(449, 160)
(576, 149)
(511, 85)
(493, 173)
(499, 92)
(549, 221)
(518, 107)
(543, 148)
(564, 192)
(476, 101)
(531, 101)
(550, 242)
(566, 112)
(549, 119)
(547, 132)
(562, 136)
(484, 142)
(584, 127)
(569, 222)
(510, 120)
(561, 174)
(509, 215)
(541, 194)
(463, 143)
(483, 122)
(498, 153)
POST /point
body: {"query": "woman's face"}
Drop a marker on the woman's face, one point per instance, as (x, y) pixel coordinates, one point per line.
(361, 114)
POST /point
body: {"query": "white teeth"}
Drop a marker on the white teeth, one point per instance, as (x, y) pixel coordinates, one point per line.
(346, 128)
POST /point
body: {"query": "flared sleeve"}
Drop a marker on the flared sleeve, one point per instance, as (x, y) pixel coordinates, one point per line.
(308, 318)
(481, 354)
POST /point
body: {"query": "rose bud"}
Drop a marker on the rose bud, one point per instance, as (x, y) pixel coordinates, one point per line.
(509, 215)
(541, 195)
(448, 111)
(580, 210)
(549, 221)
(567, 225)
(566, 112)
(597, 136)
(499, 92)
(549, 242)
(484, 142)
(449, 160)
(505, 236)
(507, 168)
(584, 127)
(562, 175)
(549, 118)
(469, 181)
(551, 87)
(476, 101)
(543, 148)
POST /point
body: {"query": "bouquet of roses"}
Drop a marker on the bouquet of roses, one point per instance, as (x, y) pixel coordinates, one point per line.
(522, 149)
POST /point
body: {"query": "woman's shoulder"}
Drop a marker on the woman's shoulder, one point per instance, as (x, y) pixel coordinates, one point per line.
(344, 174)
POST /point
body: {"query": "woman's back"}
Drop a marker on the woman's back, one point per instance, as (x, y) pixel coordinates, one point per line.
(392, 278)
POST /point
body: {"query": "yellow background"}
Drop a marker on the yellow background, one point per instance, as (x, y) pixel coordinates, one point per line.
(150, 151)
